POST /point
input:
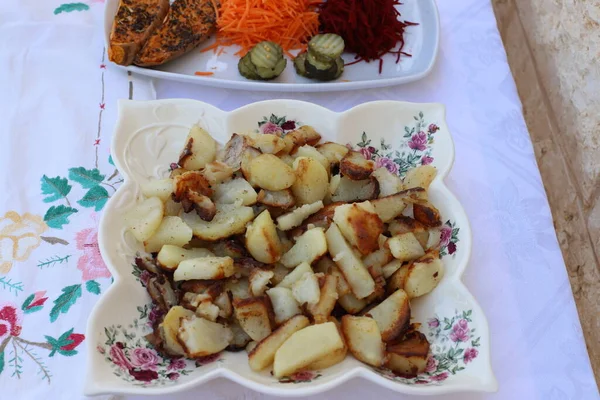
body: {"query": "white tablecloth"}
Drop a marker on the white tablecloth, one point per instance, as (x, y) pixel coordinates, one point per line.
(57, 109)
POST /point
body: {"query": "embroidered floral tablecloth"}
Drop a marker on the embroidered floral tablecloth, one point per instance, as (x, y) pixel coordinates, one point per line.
(57, 111)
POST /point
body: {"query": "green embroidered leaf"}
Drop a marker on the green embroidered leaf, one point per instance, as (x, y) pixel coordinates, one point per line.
(64, 338)
(70, 7)
(95, 197)
(55, 188)
(27, 302)
(1, 362)
(92, 287)
(88, 178)
(65, 301)
(57, 216)
(110, 160)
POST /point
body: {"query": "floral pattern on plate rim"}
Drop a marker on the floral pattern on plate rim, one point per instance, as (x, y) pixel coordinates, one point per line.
(453, 345)
(277, 125)
(133, 359)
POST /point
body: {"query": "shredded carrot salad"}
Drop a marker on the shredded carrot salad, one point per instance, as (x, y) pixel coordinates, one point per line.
(289, 23)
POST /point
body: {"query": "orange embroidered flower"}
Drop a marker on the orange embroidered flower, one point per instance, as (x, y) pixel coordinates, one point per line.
(19, 236)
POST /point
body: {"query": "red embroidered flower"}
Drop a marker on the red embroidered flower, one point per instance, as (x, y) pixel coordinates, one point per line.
(76, 338)
(470, 355)
(144, 375)
(38, 300)
(90, 263)
(10, 321)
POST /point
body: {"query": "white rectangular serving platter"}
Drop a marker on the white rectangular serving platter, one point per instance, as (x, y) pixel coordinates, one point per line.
(422, 42)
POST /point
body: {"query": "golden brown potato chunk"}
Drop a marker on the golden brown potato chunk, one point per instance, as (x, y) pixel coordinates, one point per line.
(355, 166)
(360, 225)
(408, 356)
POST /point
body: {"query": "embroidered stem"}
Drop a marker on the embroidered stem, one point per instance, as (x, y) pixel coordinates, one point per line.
(108, 184)
(54, 240)
(16, 360)
(101, 108)
(35, 359)
(44, 345)
(3, 345)
(53, 261)
(16, 286)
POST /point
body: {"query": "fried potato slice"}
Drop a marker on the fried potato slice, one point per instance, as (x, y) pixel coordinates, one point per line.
(296, 274)
(204, 268)
(270, 144)
(200, 337)
(363, 339)
(405, 247)
(170, 256)
(235, 191)
(352, 267)
(254, 316)
(280, 199)
(306, 289)
(312, 180)
(145, 218)
(360, 225)
(350, 191)
(263, 354)
(295, 218)
(161, 188)
(299, 137)
(423, 275)
(306, 346)
(217, 172)
(334, 152)
(259, 280)
(269, 172)
(308, 248)
(284, 304)
(427, 214)
(233, 151)
(321, 310)
(356, 167)
(391, 267)
(172, 230)
(311, 152)
(351, 304)
(229, 220)
(200, 148)
(421, 176)
(389, 183)
(262, 240)
(408, 356)
(392, 315)
(169, 328)
(389, 207)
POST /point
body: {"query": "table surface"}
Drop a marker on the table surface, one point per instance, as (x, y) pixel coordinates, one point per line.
(58, 109)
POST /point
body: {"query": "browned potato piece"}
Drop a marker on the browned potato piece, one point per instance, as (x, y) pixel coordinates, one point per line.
(249, 154)
(204, 268)
(392, 315)
(259, 280)
(378, 258)
(229, 248)
(254, 316)
(427, 214)
(335, 357)
(284, 304)
(355, 166)
(420, 177)
(229, 220)
(262, 240)
(200, 337)
(239, 288)
(311, 152)
(305, 347)
(396, 280)
(172, 230)
(266, 143)
(281, 198)
(389, 207)
(327, 266)
(232, 153)
(263, 354)
(334, 152)
(170, 256)
(312, 181)
(299, 137)
(364, 340)
(351, 304)
(352, 267)
(169, 328)
(217, 172)
(405, 247)
(349, 191)
(269, 172)
(321, 310)
(223, 301)
(294, 218)
(306, 289)
(409, 356)
(200, 148)
(235, 191)
(308, 248)
(388, 183)
(404, 224)
(190, 181)
(240, 337)
(423, 275)
(360, 225)
(391, 267)
(320, 219)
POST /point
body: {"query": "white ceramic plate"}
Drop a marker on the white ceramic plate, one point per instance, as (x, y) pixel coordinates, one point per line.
(421, 41)
(150, 135)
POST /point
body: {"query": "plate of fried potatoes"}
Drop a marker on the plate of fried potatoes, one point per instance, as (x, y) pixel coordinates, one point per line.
(288, 248)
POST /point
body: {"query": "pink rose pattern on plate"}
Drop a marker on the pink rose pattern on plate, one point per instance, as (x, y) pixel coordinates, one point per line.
(453, 345)
(134, 360)
(276, 125)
